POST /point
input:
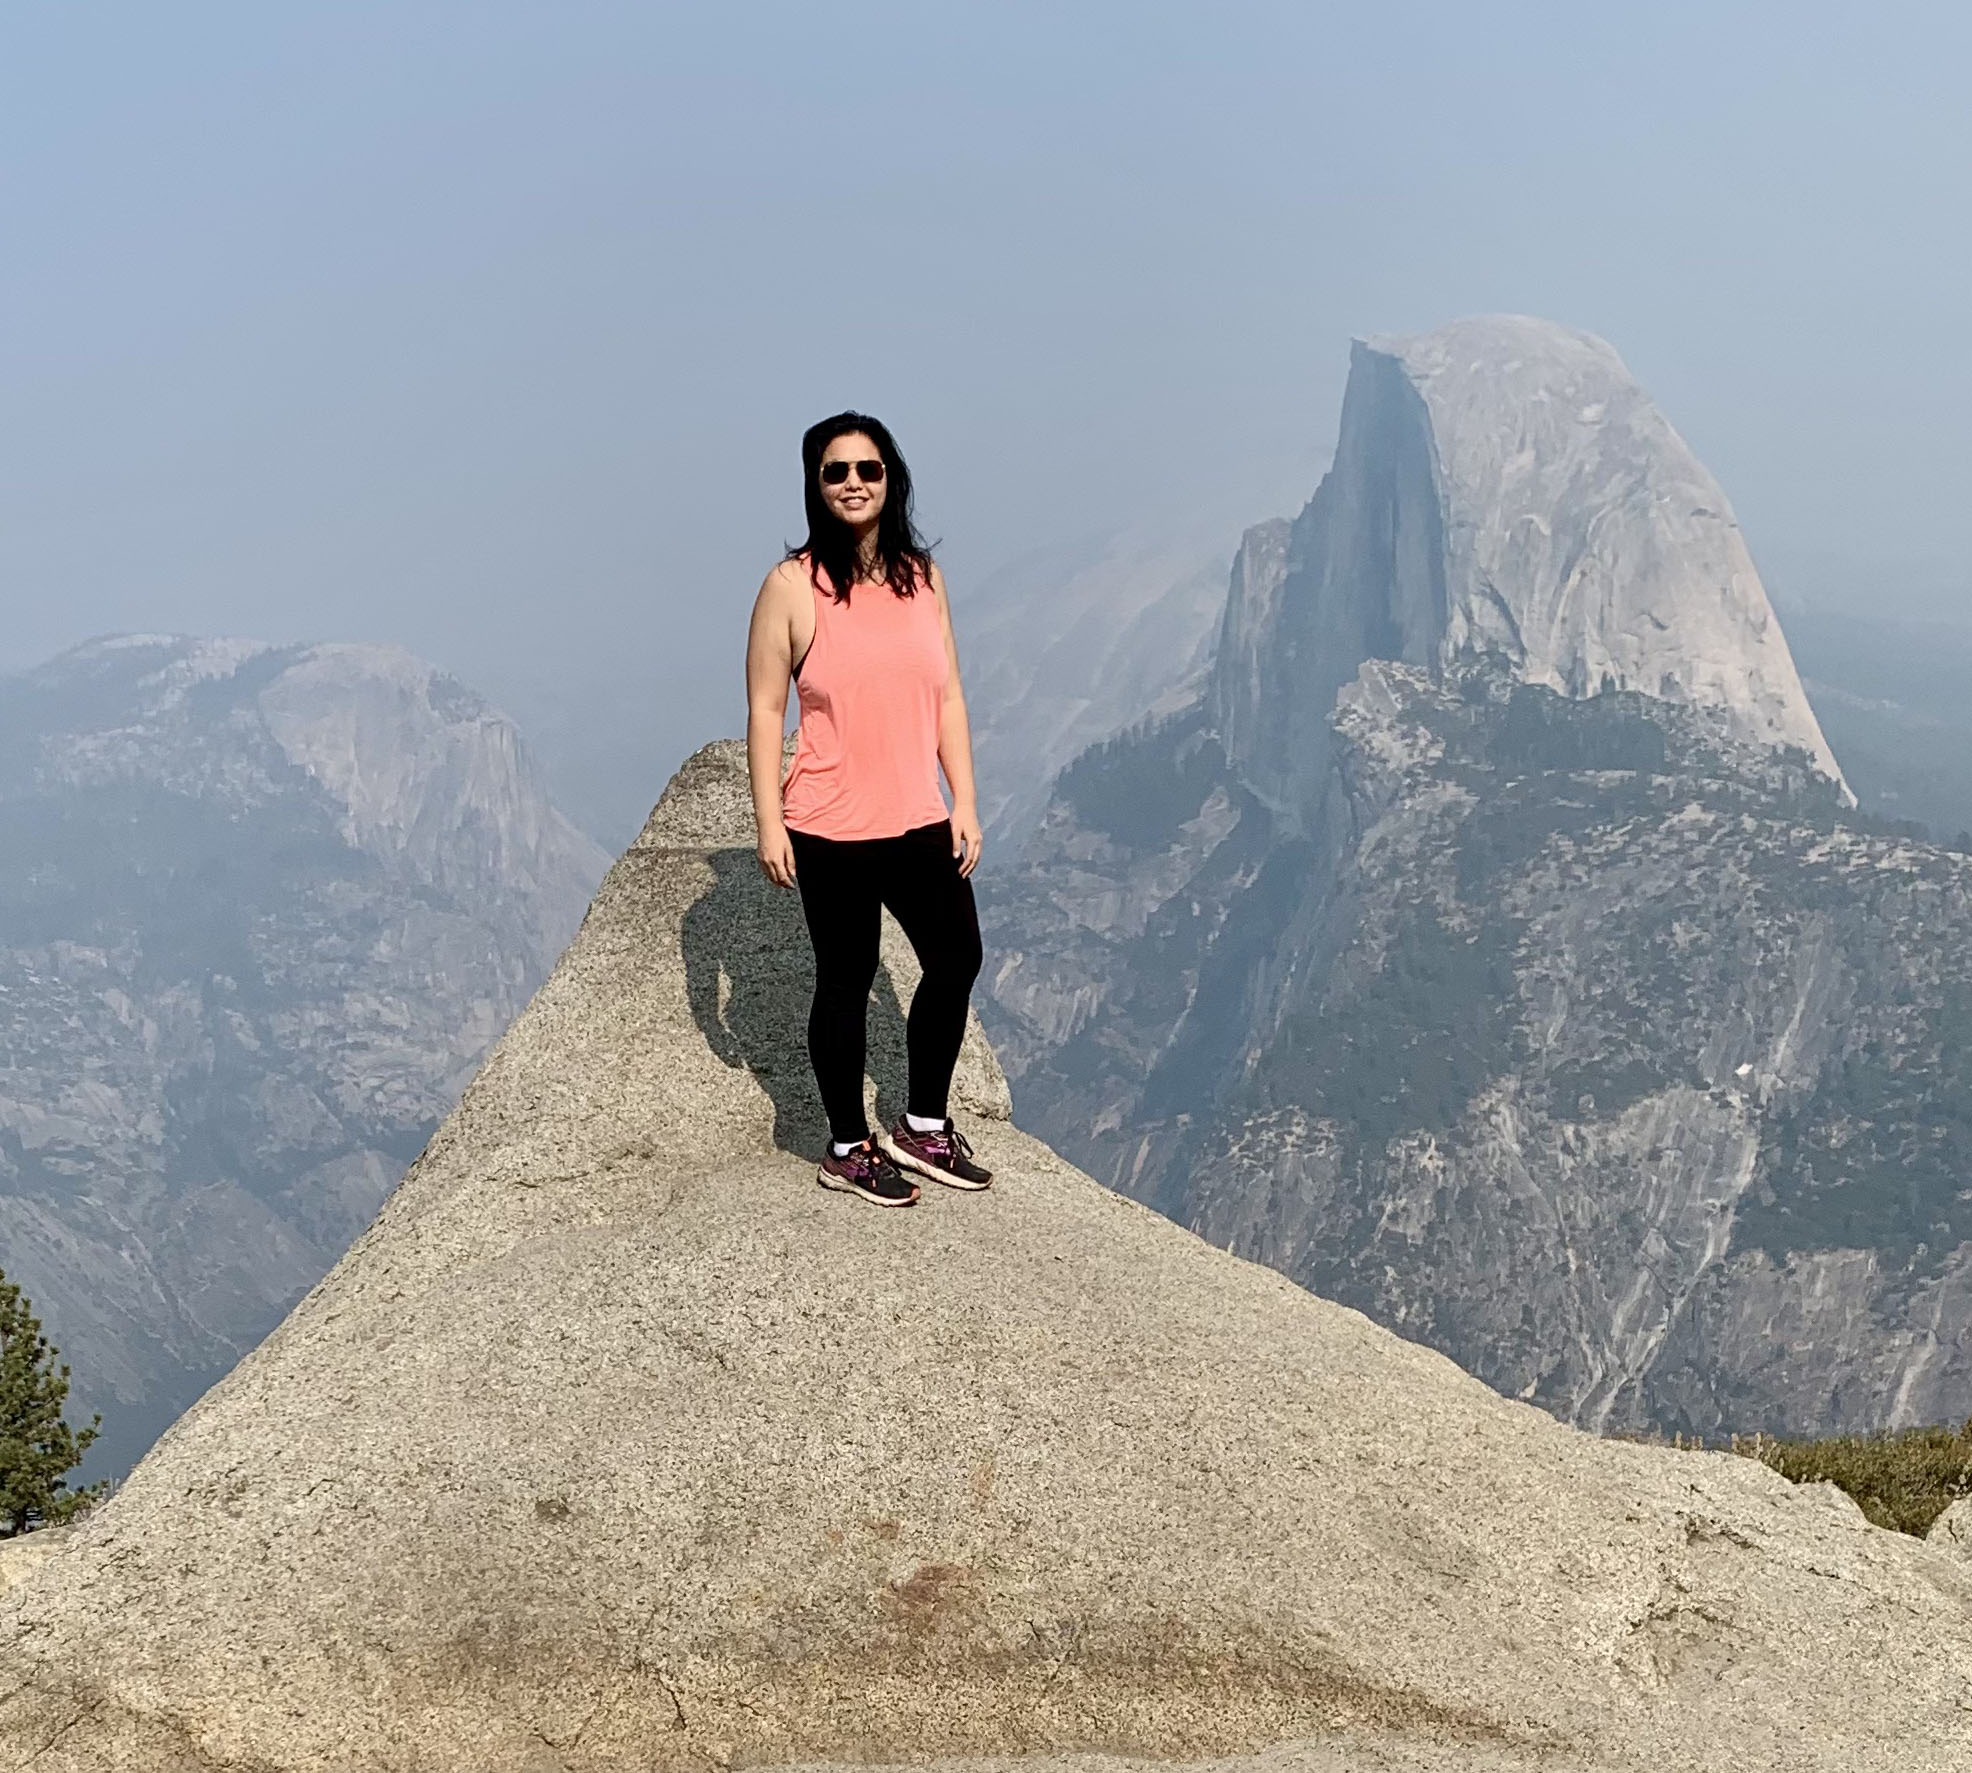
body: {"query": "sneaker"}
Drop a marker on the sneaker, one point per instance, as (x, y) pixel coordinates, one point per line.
(942, 1154)
(866, 1169)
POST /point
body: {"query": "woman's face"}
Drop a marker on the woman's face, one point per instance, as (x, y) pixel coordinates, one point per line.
(855, 500)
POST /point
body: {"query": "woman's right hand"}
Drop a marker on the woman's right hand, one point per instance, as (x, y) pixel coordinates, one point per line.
(776, 854)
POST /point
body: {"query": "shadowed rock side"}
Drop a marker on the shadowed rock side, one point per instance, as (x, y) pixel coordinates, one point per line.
(616, 1444)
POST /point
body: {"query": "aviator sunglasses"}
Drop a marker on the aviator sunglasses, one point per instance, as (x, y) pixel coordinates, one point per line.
(835, 473)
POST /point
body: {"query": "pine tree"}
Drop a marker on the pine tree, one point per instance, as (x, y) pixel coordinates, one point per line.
(37, 1447)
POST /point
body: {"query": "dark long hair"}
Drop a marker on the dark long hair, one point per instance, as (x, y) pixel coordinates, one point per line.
(901, 552)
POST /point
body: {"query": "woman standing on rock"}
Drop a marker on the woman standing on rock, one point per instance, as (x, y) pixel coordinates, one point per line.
(857, 616)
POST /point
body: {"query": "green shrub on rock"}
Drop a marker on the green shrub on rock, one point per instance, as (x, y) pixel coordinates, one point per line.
(37, 1447)
(1903, 1480)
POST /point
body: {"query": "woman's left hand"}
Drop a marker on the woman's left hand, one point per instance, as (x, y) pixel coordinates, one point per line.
(965, 833)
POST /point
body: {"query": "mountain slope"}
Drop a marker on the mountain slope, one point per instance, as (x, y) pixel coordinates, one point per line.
(261, 911)
(616, 1444)
(1890, 694)
(1064, 646)
(1605, 1053)
(1578, 1029)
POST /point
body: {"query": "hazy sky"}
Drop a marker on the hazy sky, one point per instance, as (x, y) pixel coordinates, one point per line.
(491, 328)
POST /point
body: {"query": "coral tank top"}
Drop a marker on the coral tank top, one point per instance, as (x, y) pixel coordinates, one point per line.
(872, 690)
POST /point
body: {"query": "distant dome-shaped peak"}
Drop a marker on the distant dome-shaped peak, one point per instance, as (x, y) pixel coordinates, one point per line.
(156, 669)
(100, 644)
(1491, 343)
(1503, 485)
(359, 658)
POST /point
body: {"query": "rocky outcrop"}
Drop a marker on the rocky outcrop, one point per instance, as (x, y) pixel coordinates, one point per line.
(616, 1444)
(264, 911)
(20, 1557)
(1952, 1530)
(1501, 485)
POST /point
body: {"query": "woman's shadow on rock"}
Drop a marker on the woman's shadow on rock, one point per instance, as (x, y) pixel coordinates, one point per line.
(750, 978)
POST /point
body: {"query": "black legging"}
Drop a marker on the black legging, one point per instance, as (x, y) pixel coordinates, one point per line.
(844, 884)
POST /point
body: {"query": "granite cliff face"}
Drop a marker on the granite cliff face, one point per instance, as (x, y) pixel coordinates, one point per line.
(1522, 978)
(1593, 1046)
(615, 1445)
(261, 912)
(1501, 485)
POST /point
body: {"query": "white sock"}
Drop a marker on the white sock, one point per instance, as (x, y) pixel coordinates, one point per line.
(920, 1125)
(842, 1150)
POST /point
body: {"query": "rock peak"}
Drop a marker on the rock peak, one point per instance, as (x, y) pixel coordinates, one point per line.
(1502, 484)
(1493, 340)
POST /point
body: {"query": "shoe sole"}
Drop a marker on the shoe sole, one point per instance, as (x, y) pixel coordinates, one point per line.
(904, 1161)
(842, 1185)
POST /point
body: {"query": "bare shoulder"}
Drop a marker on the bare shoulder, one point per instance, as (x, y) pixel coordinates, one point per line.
(784, 581)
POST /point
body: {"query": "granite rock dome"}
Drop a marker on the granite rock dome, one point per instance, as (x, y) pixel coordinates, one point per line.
(1501, 484)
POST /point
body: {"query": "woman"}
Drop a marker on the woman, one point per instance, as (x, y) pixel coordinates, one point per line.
(857, 615)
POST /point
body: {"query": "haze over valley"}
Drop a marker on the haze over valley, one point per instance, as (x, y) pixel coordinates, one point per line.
(1453, 521)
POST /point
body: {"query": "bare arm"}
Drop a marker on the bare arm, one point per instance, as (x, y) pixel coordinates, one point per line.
(955, 741)
(769, 664)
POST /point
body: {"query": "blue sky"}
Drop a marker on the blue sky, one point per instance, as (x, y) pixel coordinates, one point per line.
(491, 329)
